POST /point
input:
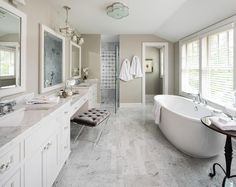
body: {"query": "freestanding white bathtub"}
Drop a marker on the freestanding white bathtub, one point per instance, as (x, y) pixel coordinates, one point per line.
(180, 123)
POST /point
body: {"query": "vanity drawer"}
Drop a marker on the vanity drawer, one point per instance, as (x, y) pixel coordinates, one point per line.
(65, 144)
(62, 111)
(77, 105)
(9, 160)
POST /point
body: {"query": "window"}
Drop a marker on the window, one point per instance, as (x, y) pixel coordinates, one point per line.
(190, 67)
(161, 62)
(207, 66)
(7, 62)
(217, 67)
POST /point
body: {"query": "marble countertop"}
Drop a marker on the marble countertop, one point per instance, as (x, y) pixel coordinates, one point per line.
(32, 115)
(84, 85)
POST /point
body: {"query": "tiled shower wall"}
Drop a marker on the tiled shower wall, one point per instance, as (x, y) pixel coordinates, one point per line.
(108, 65)
(108, 72)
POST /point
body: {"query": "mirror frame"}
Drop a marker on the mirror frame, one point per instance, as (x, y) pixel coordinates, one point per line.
(23, 34)
(72, 44)
(44, 28)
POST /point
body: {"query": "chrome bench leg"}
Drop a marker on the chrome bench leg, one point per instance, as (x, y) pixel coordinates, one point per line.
(79, 133)
(100, 132)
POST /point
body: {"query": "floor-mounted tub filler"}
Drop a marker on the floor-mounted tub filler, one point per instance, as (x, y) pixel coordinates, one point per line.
(180, 123)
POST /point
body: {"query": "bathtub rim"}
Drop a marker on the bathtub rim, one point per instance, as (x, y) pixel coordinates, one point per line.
(176, 112)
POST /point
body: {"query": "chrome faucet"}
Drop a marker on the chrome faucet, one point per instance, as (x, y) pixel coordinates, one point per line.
(197, 98)
(7, 107)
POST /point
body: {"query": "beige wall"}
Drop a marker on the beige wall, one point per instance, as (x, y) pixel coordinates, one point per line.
(153, 80)
(131, 92)
(176, 52)
(91, 57)
(42, 12)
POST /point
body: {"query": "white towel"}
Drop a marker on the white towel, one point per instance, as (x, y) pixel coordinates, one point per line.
(230, 110)
(157, 112)
(136, 68)
(223, 123)
(125, 71)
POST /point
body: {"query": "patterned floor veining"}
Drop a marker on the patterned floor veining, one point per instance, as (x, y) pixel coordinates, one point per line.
(132, 152)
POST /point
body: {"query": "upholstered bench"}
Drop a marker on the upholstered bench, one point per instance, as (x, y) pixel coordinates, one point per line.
(92, 118)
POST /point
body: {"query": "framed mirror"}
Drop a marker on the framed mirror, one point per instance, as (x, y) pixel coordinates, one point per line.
(52, 64)
(12, 50)
(75, 60)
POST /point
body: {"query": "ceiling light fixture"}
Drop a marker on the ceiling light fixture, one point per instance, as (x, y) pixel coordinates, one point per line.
(117, 10)
(67, 30)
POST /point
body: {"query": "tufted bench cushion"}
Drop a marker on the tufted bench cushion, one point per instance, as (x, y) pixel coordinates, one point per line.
(92, 117)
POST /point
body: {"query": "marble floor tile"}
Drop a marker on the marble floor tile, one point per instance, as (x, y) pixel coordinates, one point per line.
(133, 152)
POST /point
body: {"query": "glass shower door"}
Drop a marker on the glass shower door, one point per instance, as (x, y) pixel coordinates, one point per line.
(117, 81)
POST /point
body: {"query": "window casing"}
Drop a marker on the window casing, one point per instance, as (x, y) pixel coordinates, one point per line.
(207, 66)
(190, 67)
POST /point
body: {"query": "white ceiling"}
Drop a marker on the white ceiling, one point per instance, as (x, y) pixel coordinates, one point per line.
(170, 19)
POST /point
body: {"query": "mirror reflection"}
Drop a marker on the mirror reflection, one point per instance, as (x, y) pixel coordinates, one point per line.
(10, 27)
(53, 60)
(75, 60)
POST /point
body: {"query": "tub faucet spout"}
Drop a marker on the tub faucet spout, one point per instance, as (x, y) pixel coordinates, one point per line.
(199, 99)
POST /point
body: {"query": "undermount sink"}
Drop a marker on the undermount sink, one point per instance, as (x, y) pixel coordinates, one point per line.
(20, 117)
(84, 85)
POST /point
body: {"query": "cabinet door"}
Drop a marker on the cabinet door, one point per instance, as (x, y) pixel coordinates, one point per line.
(52, 165)
(14, 181)
(34, 169)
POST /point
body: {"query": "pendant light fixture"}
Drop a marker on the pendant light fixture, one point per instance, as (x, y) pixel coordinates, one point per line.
(117, 10)
(66, 30)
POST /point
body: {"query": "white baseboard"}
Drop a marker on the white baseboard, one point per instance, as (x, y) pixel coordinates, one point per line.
(124, 105)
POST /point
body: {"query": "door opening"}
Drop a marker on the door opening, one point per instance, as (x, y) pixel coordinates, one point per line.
(155, 67)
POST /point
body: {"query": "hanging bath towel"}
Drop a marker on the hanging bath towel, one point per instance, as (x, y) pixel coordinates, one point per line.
(136, 68)
(125, 71)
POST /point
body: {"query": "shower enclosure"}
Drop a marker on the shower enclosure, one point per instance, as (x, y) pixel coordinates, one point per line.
(109, 75)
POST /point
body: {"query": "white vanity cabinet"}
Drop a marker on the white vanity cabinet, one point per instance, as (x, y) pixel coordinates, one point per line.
(10, 172)
(41, 169)
(63, 120)
(92, 94)
(43, 166)
(51, 161)
(14, 180)
(35, 157)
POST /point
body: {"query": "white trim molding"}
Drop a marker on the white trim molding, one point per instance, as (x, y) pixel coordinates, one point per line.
(166, 65)
(226, 24)
(23, 33)
(44, 28)
(72, 44)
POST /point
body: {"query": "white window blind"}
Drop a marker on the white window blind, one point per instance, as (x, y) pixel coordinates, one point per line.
(7, 62)
(217, 67)
(190, 67)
